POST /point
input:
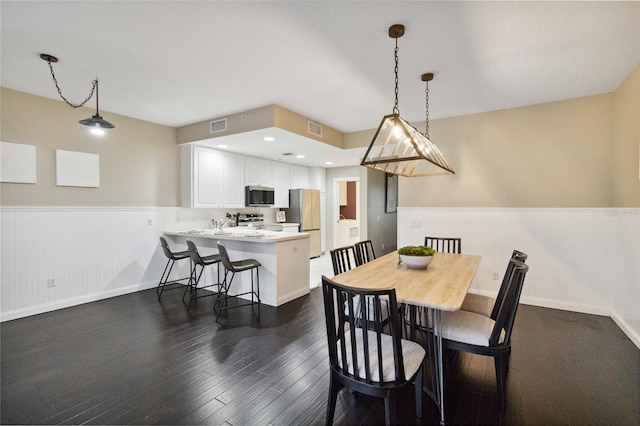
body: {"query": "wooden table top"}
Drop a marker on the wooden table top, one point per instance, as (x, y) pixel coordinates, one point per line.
(443, 285)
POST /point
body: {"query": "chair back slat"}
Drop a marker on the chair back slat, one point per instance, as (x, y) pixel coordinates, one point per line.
(364, 252)
(342, 259)
(444, 244)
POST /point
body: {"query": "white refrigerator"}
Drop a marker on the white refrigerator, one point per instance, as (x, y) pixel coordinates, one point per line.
(304, 208)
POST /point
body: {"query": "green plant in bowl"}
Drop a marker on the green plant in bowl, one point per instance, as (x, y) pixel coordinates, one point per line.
(416, 257)
(416, 251)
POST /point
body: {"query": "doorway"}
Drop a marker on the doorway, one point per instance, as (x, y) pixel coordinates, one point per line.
(346, 211)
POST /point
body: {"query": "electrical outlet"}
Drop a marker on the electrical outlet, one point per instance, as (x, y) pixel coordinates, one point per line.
(496, 276)
(51, 282)
(149, 221)
(382, 246)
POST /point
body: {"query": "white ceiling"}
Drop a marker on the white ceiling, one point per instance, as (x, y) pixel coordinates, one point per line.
(177, 63)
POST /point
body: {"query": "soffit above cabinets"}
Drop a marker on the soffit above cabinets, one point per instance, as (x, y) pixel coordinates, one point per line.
(293, 136)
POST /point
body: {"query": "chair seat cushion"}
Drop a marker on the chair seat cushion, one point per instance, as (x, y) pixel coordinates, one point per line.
(243, 265)
(211, 259)
(479, 304)
(412, 354)
(468, 327)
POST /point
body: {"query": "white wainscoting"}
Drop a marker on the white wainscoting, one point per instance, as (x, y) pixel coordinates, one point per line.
(583, 260)
(92, 253)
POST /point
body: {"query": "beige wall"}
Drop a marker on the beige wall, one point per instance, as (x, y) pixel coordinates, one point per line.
(549, 155)
(139, 161)
(626, 142)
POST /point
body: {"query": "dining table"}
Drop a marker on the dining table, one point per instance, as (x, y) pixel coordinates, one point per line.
(442, 286)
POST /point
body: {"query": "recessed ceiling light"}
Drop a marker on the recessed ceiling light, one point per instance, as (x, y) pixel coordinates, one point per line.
(222, 146)
(328, 163)
(269, 138)
(299, 156)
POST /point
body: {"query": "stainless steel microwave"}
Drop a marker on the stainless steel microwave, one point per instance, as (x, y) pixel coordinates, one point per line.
(257, 196)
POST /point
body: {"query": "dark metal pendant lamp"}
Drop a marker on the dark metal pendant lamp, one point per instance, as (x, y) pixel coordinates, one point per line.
(96, 122)
(398, 147)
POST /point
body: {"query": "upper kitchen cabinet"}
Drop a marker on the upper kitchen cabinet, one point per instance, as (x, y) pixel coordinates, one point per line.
(280, 184)
(317, 177)
(258, 172)
(233, 182)
(299, 177)
(211, 178)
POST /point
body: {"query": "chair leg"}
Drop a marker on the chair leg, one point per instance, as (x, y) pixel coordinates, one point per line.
(334, 388)
(190, 285)
(390, 408)
(418, 391)
(163, 280)
(257, 294)
(226, 285)
(501, 379)
(194, 287)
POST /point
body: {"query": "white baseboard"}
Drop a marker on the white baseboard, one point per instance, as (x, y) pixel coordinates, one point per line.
(293, 295)
(67, 303)
(554, 304)
(626, 329)
(566, 306)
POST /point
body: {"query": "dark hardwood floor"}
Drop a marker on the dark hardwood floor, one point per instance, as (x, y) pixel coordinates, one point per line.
(134, 360)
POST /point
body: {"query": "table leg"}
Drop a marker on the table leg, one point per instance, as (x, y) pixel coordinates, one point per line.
(428, 322)
(440, 367)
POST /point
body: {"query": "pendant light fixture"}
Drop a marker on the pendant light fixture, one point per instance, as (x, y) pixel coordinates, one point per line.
(398, 147)
(96, 122)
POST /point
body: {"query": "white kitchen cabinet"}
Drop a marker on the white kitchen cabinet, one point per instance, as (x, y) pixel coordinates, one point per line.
(317, 178)
(280, 184)
(211, 178)
(208, 175)
(233, 181)
(258, 172)
(299, 177)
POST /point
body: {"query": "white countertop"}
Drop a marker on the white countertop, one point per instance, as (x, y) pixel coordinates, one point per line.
(240, 234)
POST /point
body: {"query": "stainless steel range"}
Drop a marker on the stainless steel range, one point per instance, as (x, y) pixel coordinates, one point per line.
(254, 220)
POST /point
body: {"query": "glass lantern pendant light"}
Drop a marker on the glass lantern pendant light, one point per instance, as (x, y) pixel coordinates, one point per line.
(398, 147)
(96, 122)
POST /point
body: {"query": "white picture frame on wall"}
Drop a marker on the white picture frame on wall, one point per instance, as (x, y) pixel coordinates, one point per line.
(17, 163)
(77, 169)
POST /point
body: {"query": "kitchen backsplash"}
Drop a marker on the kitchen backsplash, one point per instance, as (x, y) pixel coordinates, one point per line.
(185, 219)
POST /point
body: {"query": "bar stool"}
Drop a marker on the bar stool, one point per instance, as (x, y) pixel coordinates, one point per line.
(172, 257)
(233, 267)
(202, 261)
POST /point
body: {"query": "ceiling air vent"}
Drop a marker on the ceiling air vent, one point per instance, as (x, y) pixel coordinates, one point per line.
(315, 129)
(218, 126)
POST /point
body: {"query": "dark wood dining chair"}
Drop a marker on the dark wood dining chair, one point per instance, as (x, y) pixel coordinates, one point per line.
(364, 252)
(172, 258)
(444, 244)
(489, 306)
(343, 259)
(476, 333)
(361, 357)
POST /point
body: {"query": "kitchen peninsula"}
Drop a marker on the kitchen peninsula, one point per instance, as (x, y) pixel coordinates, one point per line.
(284, 274)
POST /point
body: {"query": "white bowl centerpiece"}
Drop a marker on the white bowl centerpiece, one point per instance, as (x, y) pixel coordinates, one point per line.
(416, 257)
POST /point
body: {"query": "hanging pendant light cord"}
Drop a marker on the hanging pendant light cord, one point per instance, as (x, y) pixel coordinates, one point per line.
(426, 128)
(395, 107)
(93, 89)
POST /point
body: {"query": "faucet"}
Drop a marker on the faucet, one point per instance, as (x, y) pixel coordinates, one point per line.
(221, 223)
